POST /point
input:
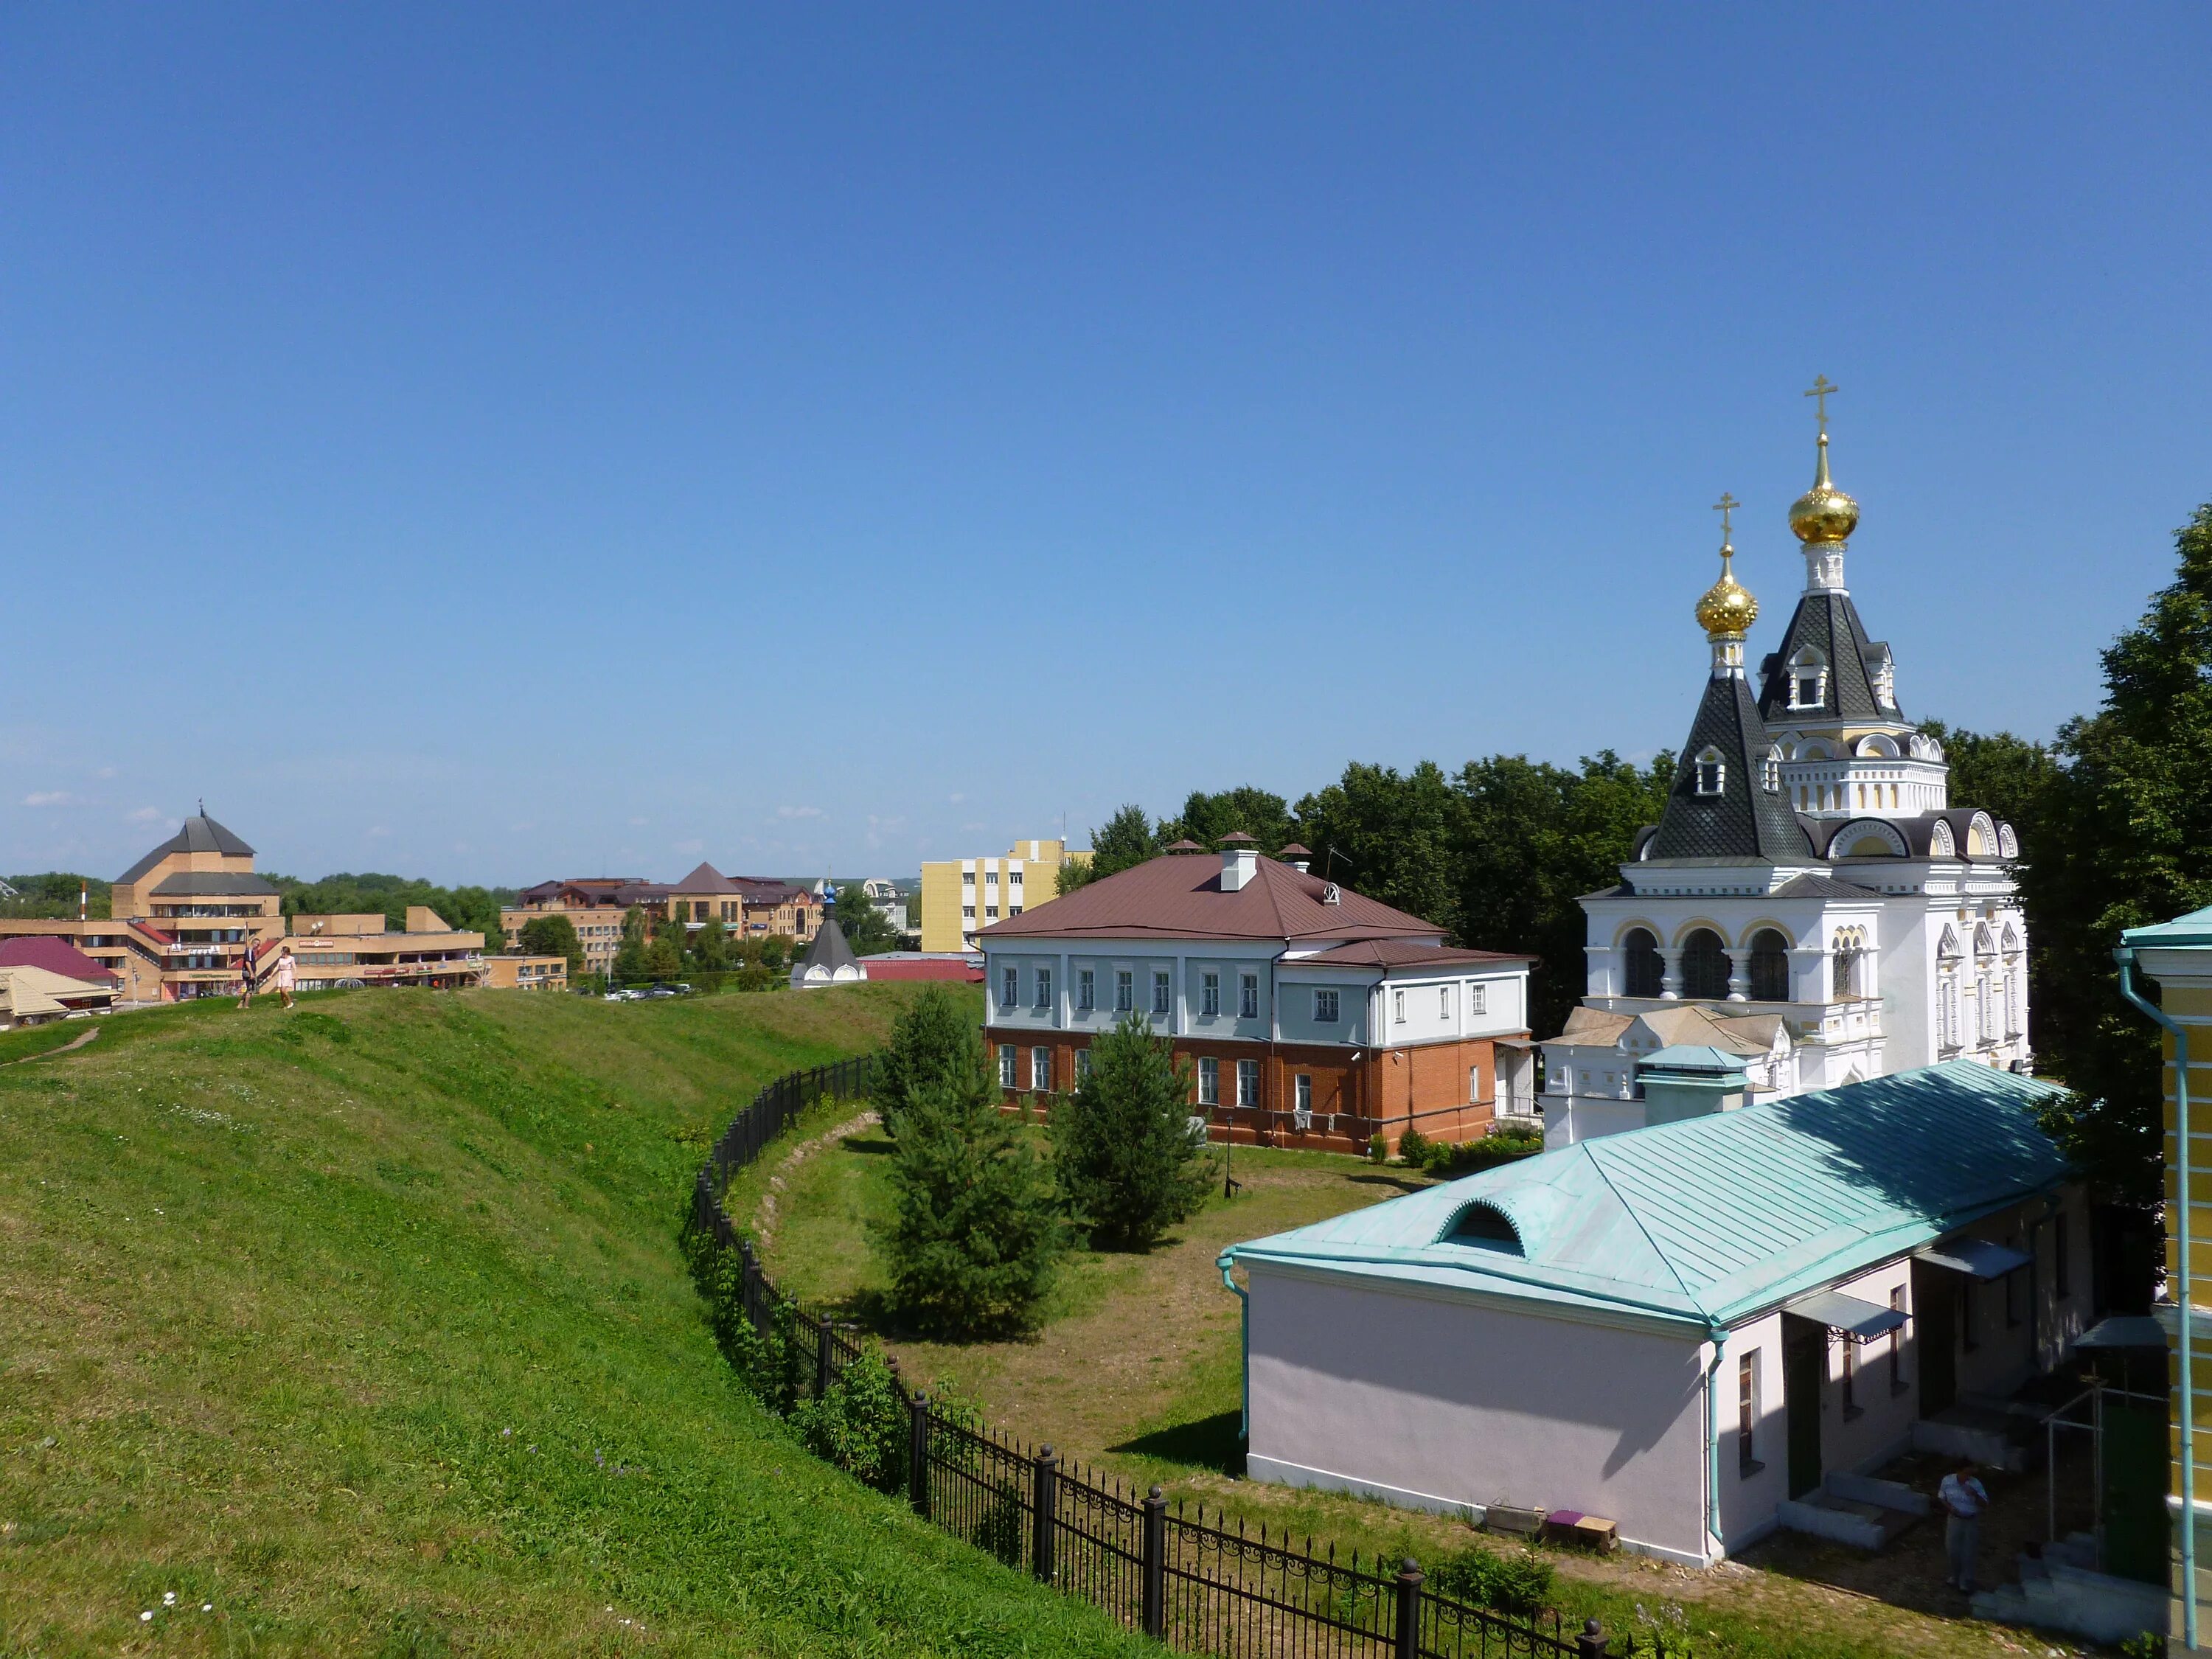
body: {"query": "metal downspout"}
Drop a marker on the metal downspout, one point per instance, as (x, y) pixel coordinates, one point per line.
(1719, 1337)
(2125, 956)
(1244, 1354)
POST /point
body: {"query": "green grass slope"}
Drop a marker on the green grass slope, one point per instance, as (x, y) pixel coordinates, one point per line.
(365, 1327)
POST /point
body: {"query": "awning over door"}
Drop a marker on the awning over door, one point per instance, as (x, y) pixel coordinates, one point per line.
(1862, 1321)
(1975, 1257)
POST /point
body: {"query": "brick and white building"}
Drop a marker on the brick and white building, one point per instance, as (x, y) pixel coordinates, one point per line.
(1309, 1014)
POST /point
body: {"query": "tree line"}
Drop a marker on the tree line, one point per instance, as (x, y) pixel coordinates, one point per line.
(2114, 817)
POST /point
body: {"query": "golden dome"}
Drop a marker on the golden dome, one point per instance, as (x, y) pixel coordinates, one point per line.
(1824, 513)
(1728, 609)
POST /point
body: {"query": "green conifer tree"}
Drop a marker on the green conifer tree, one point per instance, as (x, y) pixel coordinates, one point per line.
(974, 1233)
(931, 1047)
(1128, 1165)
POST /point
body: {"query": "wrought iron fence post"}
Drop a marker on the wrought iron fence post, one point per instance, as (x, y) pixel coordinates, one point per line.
(1156, 1564)
(1409, 1610)
(821, 1356)
(749, 1281)
(1046, 1496)
(1591, 1643)
(917, 1454)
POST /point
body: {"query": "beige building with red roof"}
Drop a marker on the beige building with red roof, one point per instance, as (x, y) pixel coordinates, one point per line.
(1309, 1014)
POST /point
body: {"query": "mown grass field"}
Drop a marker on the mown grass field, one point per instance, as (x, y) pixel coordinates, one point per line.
(1135, 1369)
(365, 1327)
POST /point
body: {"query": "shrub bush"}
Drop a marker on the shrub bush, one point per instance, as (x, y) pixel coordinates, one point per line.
(1520, 1583)
(861, 1425)
(1127, 1165)
(1413, 1148)
(1487, 1152)
(1378, 1148)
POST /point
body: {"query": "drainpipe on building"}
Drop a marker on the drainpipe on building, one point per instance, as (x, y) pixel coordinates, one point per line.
(1719, 1337)
(1244, 1352)
(2126, 958)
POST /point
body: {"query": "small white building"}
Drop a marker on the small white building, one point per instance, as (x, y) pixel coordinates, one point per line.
(828, 961)
(1808, 866)
(1700, 1330)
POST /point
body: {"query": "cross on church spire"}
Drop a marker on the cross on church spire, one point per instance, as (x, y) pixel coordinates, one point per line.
(1820, 389)
(1726, 506)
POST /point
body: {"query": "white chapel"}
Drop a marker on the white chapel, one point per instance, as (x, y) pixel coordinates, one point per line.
(1811, 909)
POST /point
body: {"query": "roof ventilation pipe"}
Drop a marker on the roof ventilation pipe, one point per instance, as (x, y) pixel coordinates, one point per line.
(1296, 857)
(1240, 861)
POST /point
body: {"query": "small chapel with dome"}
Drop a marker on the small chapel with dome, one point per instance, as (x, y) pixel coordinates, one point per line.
(1811, 909)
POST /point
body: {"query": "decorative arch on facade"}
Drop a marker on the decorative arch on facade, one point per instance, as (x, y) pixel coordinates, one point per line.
(1770, 769)
(1708, 772)
(1881, 670)
(2008, 842)
(1808, 679)
(1643, 971)
(1986, 944)
(1486, 1225)
(1849, 948)
(2011, 940)
(1947, 947)
(1705, 966)
(1864, 838)
(1816, 749)
(1921, 746)
(1981, 837)
(1940, 844)
(1876, 746)
(1769, 965)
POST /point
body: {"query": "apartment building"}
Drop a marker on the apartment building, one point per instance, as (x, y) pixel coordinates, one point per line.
(747, 906)
(1310, 1015)
(595, 907)
(524, 972)
(190, 916)
(960, 897)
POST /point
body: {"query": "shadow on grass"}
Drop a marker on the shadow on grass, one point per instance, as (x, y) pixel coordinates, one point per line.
(874, 1147)
(1403, 1183)
(1210, 1443)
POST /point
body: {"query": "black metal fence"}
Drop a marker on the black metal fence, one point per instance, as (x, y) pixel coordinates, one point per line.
(1201, 1583)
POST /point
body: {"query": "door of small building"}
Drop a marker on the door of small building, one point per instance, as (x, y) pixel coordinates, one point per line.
(1936, 1335)
(1804, 1379)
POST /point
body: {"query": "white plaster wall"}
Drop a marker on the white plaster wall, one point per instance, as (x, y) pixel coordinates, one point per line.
(1443, 1401)
(1747, 1501)
(1296, 1006)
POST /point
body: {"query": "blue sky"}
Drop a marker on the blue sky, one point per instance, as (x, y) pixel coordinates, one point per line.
(494, 443)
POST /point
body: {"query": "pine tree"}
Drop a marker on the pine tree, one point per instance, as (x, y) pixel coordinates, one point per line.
(975, 1234)
(1127, 1160)
(931, 1047)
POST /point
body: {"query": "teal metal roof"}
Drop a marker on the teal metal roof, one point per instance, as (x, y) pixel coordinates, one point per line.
(2195, 928)
(1717, 1218)
(1691, 1057)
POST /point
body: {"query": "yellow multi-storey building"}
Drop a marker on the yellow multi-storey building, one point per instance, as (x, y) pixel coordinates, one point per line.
(961, 897)
(2177, 955)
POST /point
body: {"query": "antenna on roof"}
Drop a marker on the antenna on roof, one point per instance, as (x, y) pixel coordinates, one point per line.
(203, 805)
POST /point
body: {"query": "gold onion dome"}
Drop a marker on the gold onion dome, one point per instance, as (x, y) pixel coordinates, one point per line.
(1824, 513)
(1728, 609)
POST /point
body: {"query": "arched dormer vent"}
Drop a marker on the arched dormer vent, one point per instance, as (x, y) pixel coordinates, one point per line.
(1709, 771)
(1485, 1226)
(1940, 844)
(1981, 837)
(2008, 842)
(1867, 838)
(1877, 746)
(1808, 679)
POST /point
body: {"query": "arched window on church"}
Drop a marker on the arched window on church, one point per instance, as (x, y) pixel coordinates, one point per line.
(1808, 679)
(1769, 770)
(1705, 966)
(1642, 972)
(1850, 948)
(1711, 775)
(1770, 966)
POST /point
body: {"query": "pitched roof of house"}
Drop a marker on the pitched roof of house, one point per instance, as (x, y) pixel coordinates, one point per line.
(212, 883)
(1685, 1023)
(1714, 1219)
(33, 990)
(705, 879)
(1182, 897)
(1745, 820)
(56, 956)
(1388, 953)
(829, 951)
(2195, 928)
(1829, 622)
(200, 834)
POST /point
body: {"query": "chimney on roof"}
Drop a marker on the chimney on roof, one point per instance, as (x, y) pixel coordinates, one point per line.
(1296, 857)
(1240, 860)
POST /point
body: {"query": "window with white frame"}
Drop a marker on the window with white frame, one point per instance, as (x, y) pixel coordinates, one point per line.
(967, 913)
(1010, 987)
(1044, 988)
(1302, 1097)
(1082, 1066)
(1007, 1065)
(967, 878)
(1770, 771)
(1247, 997)
(1708, 774)
(1808, 679)
(1086, 990)
(1443, 1002)
(1162, 993)
(1326, 1006)
(1125, 990)
(1209, 1081)
(1746, 1414)
(1209, 995)
(1247, 1083)
(1478, 999)
(1040, 1069)
(1397, 1007)
(990, 913)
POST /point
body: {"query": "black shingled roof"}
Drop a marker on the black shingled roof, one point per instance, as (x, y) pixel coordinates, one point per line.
(1744, 820)
(1830, 623)
(199, 834)
(829, 950)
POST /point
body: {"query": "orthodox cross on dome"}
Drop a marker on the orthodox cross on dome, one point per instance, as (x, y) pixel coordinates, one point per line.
(1726, 506)
(1820, 389)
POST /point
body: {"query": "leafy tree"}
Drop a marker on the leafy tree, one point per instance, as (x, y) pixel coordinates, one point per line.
(1127, 839)
(1127, 1163)
(709, 948)
(1259, 813)
(1389, 836)
(929, 1049)
(974, 1235)
(867, 929)
(2123, 837)
(553, 936)
(474, 909)
(664, 958)
(630, 960)
(53, 895)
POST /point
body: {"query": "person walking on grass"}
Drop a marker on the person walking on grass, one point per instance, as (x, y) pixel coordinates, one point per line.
(288, 970)
(246, 976)
(1964, 1497)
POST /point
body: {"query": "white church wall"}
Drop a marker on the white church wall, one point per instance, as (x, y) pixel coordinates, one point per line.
(1438, 1402)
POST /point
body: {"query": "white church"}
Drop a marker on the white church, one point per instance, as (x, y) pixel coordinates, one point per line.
(1811, 909)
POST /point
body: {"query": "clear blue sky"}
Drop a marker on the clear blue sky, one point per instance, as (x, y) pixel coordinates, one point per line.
(493, 443)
